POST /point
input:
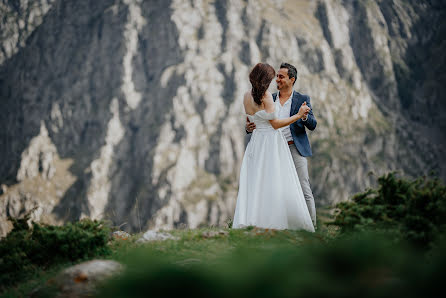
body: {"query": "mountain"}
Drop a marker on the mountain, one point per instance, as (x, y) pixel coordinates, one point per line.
(132, 110)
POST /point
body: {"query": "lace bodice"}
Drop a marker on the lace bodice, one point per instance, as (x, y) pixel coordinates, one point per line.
(261, 119)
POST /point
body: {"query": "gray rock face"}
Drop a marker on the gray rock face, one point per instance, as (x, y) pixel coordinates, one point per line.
(132, 110)
(19, 19)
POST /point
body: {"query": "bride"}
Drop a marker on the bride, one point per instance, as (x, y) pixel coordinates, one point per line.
(270, 195)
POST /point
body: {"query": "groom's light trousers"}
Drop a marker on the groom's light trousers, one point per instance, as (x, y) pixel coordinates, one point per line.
(301, 165)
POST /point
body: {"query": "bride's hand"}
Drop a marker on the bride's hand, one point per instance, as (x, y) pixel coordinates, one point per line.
(303, 110)
(250, 126)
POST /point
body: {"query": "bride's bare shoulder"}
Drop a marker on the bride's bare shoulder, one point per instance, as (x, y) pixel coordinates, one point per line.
(247, 97)
(247, 94)
(268, 96)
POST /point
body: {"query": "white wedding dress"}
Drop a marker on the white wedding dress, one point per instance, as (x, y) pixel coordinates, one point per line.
(270, 195)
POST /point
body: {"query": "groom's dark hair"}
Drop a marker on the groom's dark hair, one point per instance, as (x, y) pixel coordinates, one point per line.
(292, 71)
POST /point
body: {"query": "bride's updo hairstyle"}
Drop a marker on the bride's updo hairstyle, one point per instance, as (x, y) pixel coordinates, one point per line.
(260, 77)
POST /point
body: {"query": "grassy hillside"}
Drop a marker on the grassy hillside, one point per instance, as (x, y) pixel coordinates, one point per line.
(389, 241)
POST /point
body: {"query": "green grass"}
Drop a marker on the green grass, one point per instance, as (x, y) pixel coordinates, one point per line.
(37, 280)
(192, 248)
(264, 263)
(258, 263)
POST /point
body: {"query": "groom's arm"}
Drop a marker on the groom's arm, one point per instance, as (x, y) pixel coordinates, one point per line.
(310, 122)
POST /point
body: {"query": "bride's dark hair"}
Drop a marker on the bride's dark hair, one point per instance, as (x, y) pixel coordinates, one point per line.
(260, 77)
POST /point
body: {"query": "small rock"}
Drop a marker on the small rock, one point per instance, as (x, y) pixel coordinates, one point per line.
(81, 280)
(151, 235)
(121, 235)
(211, 234)
(188, 261)
(261, 231)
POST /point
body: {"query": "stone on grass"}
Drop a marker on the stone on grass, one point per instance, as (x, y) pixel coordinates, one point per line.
(152, 235)
(81, 280)
(121, 235)
(211, 234)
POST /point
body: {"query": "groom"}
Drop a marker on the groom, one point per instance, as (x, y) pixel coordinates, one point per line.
(288, 103)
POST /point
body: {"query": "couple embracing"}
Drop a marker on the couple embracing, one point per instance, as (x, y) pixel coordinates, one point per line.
(274, 189)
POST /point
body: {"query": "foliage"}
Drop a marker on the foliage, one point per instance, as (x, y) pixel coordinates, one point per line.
(412, 210)
(353, 256)
(360, 265)
(26, 250)
(229, 223)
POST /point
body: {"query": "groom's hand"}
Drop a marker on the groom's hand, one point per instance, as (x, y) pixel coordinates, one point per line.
(250, 126)
(303, 111)
(305, 116)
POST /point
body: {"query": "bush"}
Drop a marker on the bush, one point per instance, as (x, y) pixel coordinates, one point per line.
(412, 210)
(26, 250)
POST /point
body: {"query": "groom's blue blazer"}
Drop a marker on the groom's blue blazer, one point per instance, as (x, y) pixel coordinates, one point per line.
(297, 128)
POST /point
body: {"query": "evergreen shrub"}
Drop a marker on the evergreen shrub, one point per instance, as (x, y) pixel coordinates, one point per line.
(413, 210)
(28, 249)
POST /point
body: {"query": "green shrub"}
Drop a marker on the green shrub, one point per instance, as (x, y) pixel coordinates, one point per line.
(25, 250)
(413, 210)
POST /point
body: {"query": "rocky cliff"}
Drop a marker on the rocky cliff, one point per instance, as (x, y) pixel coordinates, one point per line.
(131, 110)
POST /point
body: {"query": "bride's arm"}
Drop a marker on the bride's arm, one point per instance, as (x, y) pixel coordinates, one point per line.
(278, 123)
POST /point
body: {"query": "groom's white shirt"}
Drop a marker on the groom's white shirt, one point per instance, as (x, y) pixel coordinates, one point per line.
(284, 112)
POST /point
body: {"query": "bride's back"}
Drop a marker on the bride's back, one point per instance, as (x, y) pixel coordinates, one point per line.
(260, 114)
(251, 107)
